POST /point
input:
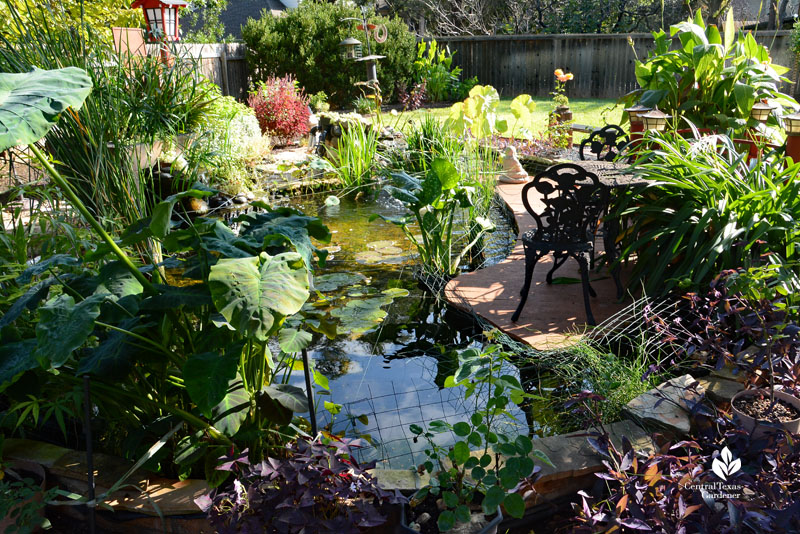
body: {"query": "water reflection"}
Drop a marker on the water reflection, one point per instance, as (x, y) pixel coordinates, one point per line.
(392, 376)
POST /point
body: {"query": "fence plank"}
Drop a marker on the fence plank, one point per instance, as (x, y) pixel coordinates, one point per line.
(603, 64)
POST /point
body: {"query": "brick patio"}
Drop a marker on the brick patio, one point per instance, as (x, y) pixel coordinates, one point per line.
(554, 315)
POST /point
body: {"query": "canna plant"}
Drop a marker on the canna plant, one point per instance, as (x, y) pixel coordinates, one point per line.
(711, 79)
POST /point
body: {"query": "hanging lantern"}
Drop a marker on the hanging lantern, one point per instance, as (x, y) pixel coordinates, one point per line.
(162, 18)
(792, 124)
(351, 48)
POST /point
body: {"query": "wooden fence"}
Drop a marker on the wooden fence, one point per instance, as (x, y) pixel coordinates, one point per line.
(603, 64)
(224, 64)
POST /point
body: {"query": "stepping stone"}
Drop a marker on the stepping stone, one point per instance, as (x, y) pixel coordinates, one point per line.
(575, 461)
(665, 406)
(720, 390)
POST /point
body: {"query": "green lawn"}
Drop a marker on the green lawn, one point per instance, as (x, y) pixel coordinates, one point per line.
(590, 111)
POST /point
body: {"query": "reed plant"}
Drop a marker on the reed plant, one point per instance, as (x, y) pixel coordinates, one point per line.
(135, 100)
(354, 157)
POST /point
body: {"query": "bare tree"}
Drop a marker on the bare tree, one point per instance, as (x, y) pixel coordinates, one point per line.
(464, 17)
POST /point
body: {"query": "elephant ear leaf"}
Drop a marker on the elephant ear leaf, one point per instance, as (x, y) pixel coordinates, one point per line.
(63, 327)
(254, 294)
(31, 102)
(15, 359)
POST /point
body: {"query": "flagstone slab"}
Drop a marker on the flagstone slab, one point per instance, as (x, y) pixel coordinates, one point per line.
(667, 406)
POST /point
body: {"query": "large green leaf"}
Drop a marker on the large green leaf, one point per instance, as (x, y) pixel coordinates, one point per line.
(229, 414)
(745, 98)
(207, 376)
(292, 340)
(112, 358)
(162, 213)
(31, 102)
(30, 299)
(15, 359)
(64, 326)
(255, 293)
(279, 225)
(446, 172)
(116, 279)
(290, 397)
(522, 107)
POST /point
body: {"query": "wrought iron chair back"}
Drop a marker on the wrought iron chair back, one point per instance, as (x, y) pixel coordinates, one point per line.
(574, 201)
(605, 143)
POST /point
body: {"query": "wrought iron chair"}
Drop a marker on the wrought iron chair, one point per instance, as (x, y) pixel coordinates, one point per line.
(606, 143)
(574, 200)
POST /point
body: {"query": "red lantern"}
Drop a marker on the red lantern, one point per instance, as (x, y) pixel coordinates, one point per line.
(162, 18)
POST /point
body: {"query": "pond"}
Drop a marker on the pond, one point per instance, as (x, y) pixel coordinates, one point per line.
(392, 375)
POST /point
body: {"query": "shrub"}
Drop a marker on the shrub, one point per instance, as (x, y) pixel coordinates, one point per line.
(281, 109)
(319, 488)
(319, 102)
(305, 42)
(230, 137)
(672, 490)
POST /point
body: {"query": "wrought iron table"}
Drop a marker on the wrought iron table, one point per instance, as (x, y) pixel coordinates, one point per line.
(615, 176)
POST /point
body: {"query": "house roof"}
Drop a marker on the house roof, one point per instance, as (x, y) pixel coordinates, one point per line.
(238, 11)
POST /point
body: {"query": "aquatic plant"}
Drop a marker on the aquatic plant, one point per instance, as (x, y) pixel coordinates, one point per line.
(457, 476)
(354, 155)
(433, 203)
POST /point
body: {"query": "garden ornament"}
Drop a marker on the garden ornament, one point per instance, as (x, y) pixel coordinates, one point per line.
(513, 173)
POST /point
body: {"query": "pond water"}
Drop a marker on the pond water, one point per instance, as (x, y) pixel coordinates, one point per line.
(391, 375)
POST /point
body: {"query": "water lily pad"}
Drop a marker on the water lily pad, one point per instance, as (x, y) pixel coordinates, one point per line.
(395, 292)
(334, 281)
(369, 256)
(359, 316)
(361, 291)
(378, 245)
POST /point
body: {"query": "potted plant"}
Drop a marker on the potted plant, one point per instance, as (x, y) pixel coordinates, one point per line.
(763, 312)
(23, 497)
(749, 308)
(561, 115)
(317, 486)
(468, 489)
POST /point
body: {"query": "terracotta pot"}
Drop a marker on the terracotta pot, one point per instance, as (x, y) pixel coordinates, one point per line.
(760, 428)
(491, 528)
(563, 113)
(25, 469)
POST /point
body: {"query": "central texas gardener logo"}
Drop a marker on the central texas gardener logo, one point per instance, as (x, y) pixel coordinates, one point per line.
(725, 464)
